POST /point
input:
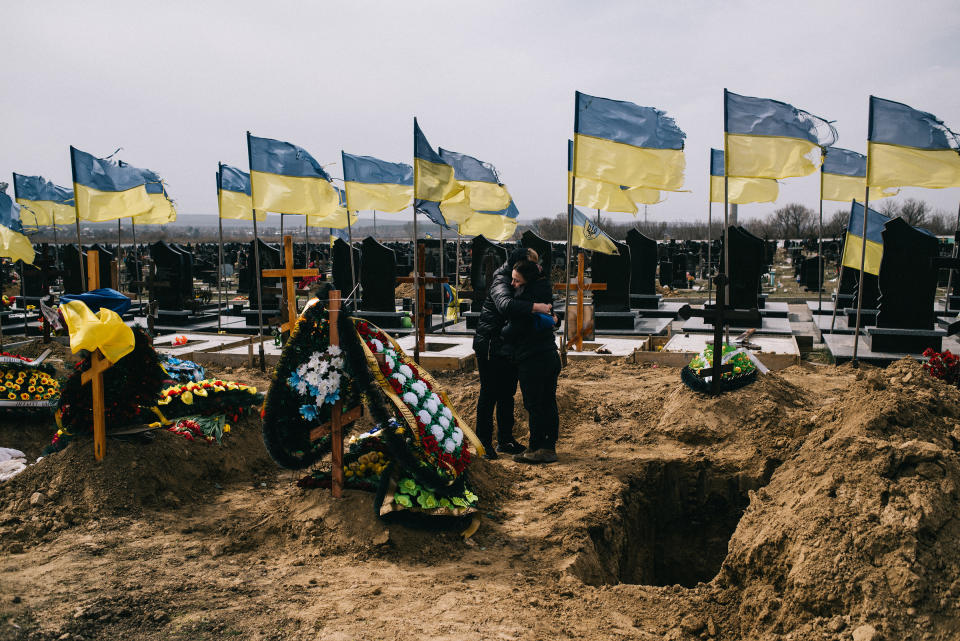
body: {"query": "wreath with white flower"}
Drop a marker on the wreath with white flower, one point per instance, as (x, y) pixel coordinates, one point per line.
(318, 379)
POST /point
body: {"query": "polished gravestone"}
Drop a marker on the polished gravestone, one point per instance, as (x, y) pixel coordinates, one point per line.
(908, 286)
(611, 307)
(666, 273)
(171, 269)
(543, 247)
(486, 257)
(341, 267)
(272, 301)
(378, 281)
(643, 271)
(747, 266)
(811, 273)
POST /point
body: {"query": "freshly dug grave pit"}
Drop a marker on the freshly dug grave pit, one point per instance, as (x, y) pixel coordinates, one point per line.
(671, 525)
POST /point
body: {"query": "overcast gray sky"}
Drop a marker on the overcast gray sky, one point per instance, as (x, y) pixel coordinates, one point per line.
(177, 83)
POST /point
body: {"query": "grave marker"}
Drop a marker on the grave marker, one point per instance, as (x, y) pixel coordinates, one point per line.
(288, 273)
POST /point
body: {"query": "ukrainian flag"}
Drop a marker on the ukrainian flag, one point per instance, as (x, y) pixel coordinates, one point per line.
(43, 203)
(163, 211)
(588, 236)
(770, 139)
(337, 219)
(13, 244)
(845, 176)
(104, 190)
(286, 179)
(596, 194)
(481, 190)
(372, 183)
(433, 179)
(494, 225)
(624, 144)
(233, 195)
(854, 241)
(906, 147)
(479, 180)
(740, 191)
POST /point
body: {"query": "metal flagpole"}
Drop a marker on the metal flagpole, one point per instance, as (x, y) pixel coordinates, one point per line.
(119, 244)
(718, 349)
(709, 243)
(836, 294)
(598, 218)
(353, 268)
(443, 293)
(256, 265)
(374, 223)
(956, 235)
(863, 261)
(820, 266)
(416, 270)
(282, 254)
(306, 239)
(572, 198)
(456, 273)
(136, 264)
(220, 253)
(83, 276)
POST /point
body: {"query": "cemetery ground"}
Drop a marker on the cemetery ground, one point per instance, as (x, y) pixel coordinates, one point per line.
(816, 503)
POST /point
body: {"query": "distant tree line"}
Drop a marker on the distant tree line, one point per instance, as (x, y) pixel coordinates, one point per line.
(790, 221)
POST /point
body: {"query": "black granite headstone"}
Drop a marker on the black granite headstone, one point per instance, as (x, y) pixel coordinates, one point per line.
(643, 263)
(543, 248)
(377, 273)
(486, 258)
(746, 267)
(811, 273)
(170, 264)
(614, 271)
(341, 267)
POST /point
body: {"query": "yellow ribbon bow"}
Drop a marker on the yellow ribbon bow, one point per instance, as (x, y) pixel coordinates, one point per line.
(104, 330)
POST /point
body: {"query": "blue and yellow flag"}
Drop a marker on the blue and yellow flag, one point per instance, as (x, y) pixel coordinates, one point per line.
(105, 190)
(163, 211)
(233, 195)
(480, 190)
(433, 179)
(853, 244)
(907, 147)
(740, 190)
(587, 235)
(337, 219)
(284, 178)
(625, 144)
(42, 202)
(372, 183)
(767, 138)
(845, 176)
(494, 225)
(13, 243)
(597, 194)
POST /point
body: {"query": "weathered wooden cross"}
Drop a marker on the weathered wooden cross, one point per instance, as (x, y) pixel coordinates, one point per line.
(98, 365)
(719, 316)
(338, 418)
(581, 286)
(288, 273)
(424, 311)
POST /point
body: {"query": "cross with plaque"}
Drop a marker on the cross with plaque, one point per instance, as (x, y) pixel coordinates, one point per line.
(583, 328)
(288, 273)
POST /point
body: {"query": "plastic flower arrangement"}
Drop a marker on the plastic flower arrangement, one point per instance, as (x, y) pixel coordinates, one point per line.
(211, 396)
(28, 385)
(437, 430)
(943, 365)
(319, 379)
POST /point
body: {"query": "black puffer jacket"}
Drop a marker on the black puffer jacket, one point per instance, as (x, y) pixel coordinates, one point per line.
(524, 334)
(493, 315)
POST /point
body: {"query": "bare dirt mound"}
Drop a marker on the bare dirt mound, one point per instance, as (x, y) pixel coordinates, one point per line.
(859, 531)
(70, 486)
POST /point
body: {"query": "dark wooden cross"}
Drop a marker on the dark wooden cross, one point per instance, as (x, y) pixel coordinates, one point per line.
(719, 316)
(424, 313)
(98, 365)
(581, 286)
(288, 273)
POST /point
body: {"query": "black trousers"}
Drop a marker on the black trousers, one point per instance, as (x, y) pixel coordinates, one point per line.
(538, 382)
(498, 384)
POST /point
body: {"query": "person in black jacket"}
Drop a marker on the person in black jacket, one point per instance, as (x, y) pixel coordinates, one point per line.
(529, 342)
(498, 374)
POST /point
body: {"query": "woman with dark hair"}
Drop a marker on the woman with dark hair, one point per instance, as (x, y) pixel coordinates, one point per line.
(498, 374)
(529, 341)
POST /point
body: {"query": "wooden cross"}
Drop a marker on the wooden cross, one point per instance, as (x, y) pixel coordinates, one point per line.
(719, 315)
(423, 311)
(98, 365)
(288, 273)
(581, 286)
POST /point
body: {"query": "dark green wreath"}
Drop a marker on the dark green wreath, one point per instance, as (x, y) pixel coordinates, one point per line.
(286, 434)
(727, 384)
(132, 383)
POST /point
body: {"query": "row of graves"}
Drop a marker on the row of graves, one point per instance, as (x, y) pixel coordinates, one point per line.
(899, 314)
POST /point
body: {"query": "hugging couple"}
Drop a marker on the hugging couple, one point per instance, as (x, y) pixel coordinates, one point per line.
(514, 342)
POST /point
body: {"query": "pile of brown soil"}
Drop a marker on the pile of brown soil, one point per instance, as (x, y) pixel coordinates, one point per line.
(162, 471)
